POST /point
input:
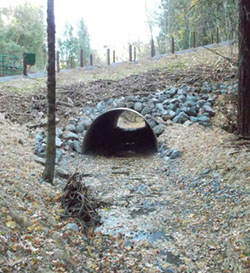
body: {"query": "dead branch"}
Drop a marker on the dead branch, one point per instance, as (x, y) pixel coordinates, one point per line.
(78, 202)
(231, 61)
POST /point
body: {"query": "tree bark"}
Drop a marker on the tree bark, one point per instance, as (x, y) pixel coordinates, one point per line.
(48, 173)
(243, 119)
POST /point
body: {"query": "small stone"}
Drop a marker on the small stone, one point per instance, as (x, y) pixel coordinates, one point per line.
(70, 143)
(71, 135)
(130, 105)
(39, 137)
(172, 91)
(80, 127)
(172, 107)
(201, 102)
(72, 226)
(146, 110)
(59, 132)
(175, 154)
(71, 128)
(182, 98)
(138, 106)
(207, 108)
(204, 120)
(58, 142)
(40, 149)
(159, 129)
(58, 155)
(188, 123)
(77, 146)
(151, 123)
(62, 173)
(40, 160)
(181, 118)
(101, 106)
(86, 121)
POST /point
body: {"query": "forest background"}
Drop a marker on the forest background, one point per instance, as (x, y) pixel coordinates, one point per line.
(23, 29)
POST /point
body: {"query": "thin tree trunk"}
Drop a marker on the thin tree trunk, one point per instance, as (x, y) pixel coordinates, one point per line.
(244, 70)
(48, 173)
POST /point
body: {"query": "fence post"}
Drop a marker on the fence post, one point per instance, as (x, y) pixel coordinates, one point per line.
(58, 61)
(108, 56)
(113, 56)
(217, 35)
(152, 48)
(91, 59)
(134, 54)
(24, 65)
(130, 53)
(212, 38)
(172, 45)
(81, 58)
(194, 40)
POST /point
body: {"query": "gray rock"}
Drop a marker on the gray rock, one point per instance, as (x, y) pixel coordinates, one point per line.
(71, 128)
(39, 137)
(204, 120)
(207, 108)
(118, 102)
(175, 154)
(146, 110)
(190, 103)
(58, 142)
(182, 90)
(138, 106)
(77, 146)
(175, 101)
(190, 111)
(87, 110)
(130, 104)
(172, 107)
(192, 98)
(194, 119)
(59, 132)
(159, 129)
(129, 99)
(80, 127)
(72, 226)
(151, 123)
(172, 91)
(40, 149)
(58, 155)
(71, 135)
(70, 143)
(62, 173)
(188, 123)
(166, 102)
(40, 160)
(160, 107)
(181, 118)
(182, 98)
(101, 106)
(86, 122)
(201, 102)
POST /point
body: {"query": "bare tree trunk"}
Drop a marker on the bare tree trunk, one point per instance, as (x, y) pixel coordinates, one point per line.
(243, 129)
(48, 173)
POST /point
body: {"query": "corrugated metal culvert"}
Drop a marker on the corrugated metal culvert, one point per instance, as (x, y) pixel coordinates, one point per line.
(120, 132)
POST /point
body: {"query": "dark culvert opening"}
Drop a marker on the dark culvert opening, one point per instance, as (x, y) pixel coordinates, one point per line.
(120, 132)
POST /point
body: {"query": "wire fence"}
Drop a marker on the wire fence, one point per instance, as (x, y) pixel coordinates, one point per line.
(10, 65)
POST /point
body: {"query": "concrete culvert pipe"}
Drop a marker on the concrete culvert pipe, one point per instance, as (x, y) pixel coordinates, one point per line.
(120, 132)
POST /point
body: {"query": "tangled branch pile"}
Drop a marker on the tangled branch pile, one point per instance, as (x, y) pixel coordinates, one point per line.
(78, 203)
